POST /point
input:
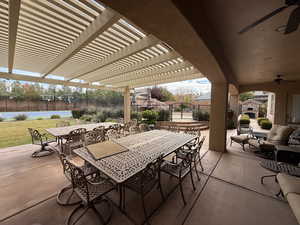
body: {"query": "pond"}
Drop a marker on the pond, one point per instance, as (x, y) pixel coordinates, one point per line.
(35, 114)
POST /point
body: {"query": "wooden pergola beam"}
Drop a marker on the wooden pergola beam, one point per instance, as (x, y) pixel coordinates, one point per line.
(128, 51)
(98, 26)
(20, 77)
(13, 13)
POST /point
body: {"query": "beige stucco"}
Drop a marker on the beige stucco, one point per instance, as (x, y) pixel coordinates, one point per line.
(127, 105)
(218, 117)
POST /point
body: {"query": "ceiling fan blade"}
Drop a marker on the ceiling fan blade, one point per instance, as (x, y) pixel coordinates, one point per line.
(294, 21)
(266, 17)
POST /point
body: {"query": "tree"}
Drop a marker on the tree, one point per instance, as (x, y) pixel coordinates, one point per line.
(162, 94)
(3, 88)
(246, 95)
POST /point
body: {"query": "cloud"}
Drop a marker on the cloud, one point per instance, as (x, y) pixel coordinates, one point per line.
(193, 86)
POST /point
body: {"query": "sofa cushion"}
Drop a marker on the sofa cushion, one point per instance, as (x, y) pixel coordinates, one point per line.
(261, 145)
(288, 184)
(294, 202)
(279, 135)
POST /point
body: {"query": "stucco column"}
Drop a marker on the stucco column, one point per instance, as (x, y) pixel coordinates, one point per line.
(281, 100)
(234, 106)
(127, 105)
(218, 117)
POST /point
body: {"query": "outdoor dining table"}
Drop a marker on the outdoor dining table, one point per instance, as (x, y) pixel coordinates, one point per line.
(143, 148)
(61, 132)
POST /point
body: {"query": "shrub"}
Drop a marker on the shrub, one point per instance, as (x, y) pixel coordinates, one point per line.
(40, 118)
(266, 124)
(200, 116)
(55, 116)
(1, 119)
(119, 113)
(244, 119)
(100, 117)
(76, 114)
(136, 115)
(20, 117)
(163, 115)
(259, 119)
(230, 124)
(111, 120)
(149, 116)
(87, 117)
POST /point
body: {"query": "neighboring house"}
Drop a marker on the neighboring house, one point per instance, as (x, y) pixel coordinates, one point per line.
(141, 99)
(261, 96)
(250, 107)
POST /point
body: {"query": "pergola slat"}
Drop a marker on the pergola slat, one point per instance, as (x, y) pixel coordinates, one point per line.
(14, 9)
(130, 50)
(100, 24)
(143, 74)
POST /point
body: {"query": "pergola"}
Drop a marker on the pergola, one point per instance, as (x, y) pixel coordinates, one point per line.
(85, 44)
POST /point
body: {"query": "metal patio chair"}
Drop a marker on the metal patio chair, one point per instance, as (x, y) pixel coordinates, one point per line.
(181, 154)
(88, 170)
(180, 170)
(97, 135)
(41, 139)
(75, 139)
(90, 195)
(144, 127)
(144, 182)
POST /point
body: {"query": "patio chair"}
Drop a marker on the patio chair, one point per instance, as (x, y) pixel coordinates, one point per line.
(88, 170)
(180, 170)
(144, 127)
(41, 139)
(193, 131)
(181, 154)
(75, 139)
(134, 130)
(97, 135)
(278, 135)
(90, 195)
(144, 182)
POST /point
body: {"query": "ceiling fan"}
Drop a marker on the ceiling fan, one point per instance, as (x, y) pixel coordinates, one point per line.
(293, 22)
(279, 79)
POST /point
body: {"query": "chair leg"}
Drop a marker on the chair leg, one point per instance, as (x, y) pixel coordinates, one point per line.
(195, 165)
(181, 190)
(192, 179)
(144, 209)
(74, 212)
(67, 202)
(200, 161)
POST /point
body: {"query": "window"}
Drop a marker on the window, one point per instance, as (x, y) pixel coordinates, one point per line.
(296, 109)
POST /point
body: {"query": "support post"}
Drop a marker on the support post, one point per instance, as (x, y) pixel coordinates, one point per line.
(218, 117)
(127, 105)
(281, 99)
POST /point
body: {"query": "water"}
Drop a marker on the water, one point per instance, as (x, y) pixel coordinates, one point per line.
(35, 114)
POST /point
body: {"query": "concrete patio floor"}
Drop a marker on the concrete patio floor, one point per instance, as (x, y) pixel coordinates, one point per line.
(229, 192)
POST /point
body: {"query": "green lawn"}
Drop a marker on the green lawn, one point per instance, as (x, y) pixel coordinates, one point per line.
(15, 132)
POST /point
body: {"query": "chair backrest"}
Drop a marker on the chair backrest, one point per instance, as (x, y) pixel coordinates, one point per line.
(112, 134)
(79, 181)
(279, 135)
(36, 137)
(97, 135)
(186, 162)
(75, 139)
(134, 130)
(152, 170)
(143, 127)
(65, 165)
(63, 124)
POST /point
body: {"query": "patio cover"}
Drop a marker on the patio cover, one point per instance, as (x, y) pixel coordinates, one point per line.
(83, 43)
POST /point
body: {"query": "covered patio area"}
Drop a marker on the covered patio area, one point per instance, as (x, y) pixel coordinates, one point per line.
(229, 193)
(121, 45)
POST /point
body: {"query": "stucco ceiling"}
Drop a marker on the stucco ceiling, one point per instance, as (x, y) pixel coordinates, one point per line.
(260, 54)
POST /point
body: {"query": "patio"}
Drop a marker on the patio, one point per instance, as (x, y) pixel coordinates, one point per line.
(232, 196)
